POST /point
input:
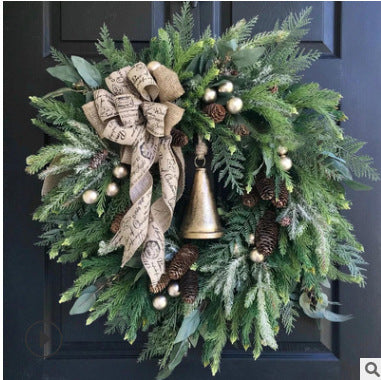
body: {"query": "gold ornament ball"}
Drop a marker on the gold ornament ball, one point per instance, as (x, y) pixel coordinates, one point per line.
(153, 65)
(174, 289)
(112, 189)
(226, 87)
(282, 150)
(256, 257)
(159, 302)
(90, 196)
(120, 171)
(210, 95)
(236, 249)
(234, 105)
(251, 239)
(285, 163)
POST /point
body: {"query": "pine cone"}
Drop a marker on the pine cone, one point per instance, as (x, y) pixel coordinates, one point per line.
(265, 186)
(274, 89)
(282, 197)
(98, 159)
(115, 225)
(216, 112)
(189, 286)
(241, 130)
(179, 138)
(251, 199)
(266, 233)
(161, 285)
(285, 221)
(182, 261)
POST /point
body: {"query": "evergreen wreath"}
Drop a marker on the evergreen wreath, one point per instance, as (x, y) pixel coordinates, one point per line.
(281, 157)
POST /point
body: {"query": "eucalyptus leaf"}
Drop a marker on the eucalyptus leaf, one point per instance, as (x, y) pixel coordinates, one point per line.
(89, 289)
(189, 326)
(334, 317)
(59, 92)
(64, 73)
(226, 47)
(87, 71)
(135, 262)
(247, 57)
(178, 352)
(330, 154)
(326, 283)
(84, 302)
(357, 185)
(139, 274)
(340, 167)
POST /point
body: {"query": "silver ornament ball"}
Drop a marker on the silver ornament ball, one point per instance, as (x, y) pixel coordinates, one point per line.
(234, 105)
(210, 95)
(90, 197)
(226, 87)
(153, 65)
(285, 163)
(159, 302)
(174, 289)
(120, 171)
(256, 257)
(251, 239)
(236, 249)
(112, 189)
(282, 150)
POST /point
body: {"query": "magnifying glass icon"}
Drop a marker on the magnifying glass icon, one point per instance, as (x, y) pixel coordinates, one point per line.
(371, 368)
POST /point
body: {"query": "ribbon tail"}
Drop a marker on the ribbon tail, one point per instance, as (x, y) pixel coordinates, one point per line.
(178, 152)
(153, 256)
(134, 225)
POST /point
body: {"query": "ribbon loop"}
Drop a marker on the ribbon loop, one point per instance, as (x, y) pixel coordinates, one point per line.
(143, 81)
(155, 115)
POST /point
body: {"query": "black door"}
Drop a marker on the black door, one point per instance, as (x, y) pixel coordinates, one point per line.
(348, 34)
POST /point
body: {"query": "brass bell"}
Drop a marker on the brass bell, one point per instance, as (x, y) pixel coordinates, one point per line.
(201, 219)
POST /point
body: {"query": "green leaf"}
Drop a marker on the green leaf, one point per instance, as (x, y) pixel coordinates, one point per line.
(189, 326)
(85, 301)
(247, 57)
(64, 73)
(59, 92)
(139, 274)
(89, 289)
(357, 185)
(178, 352)
(87, 71)
(334, 317)
(339, 166)
(226, 47)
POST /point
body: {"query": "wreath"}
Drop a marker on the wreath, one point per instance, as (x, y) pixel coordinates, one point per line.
(236, 263)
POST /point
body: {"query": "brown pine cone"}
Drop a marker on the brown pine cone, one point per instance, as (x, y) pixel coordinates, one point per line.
(265, 186)
(189, 286)
(115, 225)
(266, 233)
(184, 258)
(241, 130)
(161, 285)
(98, 159)
(285, 221)
(273, 89)
(282, 199)
(179, 138)
(216, 112)
(251, 199)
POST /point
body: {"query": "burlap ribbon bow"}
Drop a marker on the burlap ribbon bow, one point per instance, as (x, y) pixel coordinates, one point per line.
(130, 117)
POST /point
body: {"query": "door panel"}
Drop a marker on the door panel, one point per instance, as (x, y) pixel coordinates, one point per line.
(86, 352)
